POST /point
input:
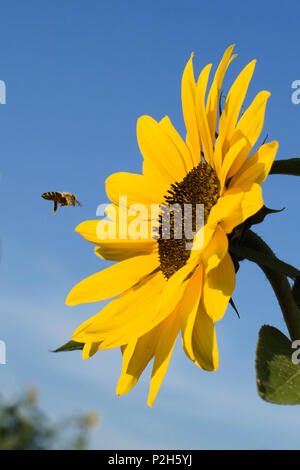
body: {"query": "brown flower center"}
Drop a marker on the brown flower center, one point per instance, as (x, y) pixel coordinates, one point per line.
(200, 186)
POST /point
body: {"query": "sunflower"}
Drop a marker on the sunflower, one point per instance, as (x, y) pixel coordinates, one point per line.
(159, 286)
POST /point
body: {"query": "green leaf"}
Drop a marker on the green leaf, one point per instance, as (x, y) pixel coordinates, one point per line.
(290, 166)
(70, 346)
(277, 377)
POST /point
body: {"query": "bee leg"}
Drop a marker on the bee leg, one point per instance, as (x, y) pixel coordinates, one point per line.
(55, 207)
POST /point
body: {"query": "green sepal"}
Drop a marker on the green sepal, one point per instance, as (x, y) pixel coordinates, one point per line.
(277, 377)
(261, 215)
(69, 346)
(234, 307)
(290, 166)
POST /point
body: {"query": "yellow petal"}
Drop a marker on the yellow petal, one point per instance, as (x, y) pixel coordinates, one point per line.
(234, 103)
(121, 251)
(173, 291)
(113, 280)
(188, 310)
(257, 167)
(136, 356)
(190, 147)
(216, 250)
(125, 318)
(119, 221)
(183, 149)
(188, 96)
(249, 126)
(205, 234)
(89, 350)
(206, 140)
(120, 321)
(218, 157)
(114, 249)
(218, 287)
(88, 230)
(251, 203)
(168, 333)
(136, 188)
(204, 342)
(152, 172)
(156, 145)
(128, 380)
(225, 206)
(214, 93)
(231, 156)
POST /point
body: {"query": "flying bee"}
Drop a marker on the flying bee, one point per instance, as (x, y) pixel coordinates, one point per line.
(63, 199)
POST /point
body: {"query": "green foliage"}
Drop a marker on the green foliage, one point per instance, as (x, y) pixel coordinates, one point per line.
(24, 426)
(277, 377)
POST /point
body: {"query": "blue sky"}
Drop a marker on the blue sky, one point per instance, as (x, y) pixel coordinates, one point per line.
(78, 75)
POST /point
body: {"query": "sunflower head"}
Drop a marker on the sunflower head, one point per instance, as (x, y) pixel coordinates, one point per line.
(199, 187)
(164, 284)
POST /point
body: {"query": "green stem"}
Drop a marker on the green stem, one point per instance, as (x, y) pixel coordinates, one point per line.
(279, 283)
